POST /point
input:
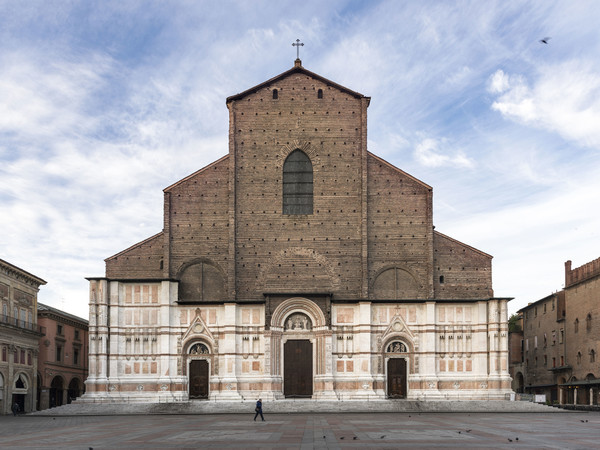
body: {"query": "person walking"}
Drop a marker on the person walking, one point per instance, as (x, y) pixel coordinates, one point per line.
(15, 408)
(258, 410)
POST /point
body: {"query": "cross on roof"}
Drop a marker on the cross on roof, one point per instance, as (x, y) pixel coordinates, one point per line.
(298, 44)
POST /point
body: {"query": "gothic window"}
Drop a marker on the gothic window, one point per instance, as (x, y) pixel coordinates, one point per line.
(275, 94)
(198, 349)
(320, 93)
(4, 354)
(578, 357)
(592, 356)
(576, 326)
(588, 322)
(297, 184)
(396, 347)
(201, 282)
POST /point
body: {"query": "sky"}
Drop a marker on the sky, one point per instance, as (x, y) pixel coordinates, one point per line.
(104, 104)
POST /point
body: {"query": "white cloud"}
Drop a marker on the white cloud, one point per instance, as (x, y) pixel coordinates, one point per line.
(564, 99)
(433, 153)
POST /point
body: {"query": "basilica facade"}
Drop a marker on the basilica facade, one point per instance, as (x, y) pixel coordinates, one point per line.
(299, 265)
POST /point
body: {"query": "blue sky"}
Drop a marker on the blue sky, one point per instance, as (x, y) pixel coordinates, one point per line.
(104, 104)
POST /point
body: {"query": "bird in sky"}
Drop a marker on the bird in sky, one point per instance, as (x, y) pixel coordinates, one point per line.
(545, 40)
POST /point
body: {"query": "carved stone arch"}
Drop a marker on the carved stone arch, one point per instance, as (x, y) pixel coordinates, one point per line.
(304, 146)
(403, 337)
(188, 354)
(201, 279)
(298, 305)
(393, 282)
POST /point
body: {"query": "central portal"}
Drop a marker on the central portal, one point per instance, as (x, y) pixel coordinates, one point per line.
(297, 368)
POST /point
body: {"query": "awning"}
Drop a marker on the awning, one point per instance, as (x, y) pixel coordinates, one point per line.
(582, 383)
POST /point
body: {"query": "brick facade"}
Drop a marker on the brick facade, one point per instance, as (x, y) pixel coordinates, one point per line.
(360, 273)
(565, 326)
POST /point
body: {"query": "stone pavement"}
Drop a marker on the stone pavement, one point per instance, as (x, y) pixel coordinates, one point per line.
(293, 406)
(575, 430)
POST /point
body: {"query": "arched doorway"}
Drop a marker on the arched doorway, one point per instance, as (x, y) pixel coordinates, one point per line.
(519, 383)
(397, 369)
(297, 357)
(20, 391)
(56, 392)
(199, 371)
(74, 390)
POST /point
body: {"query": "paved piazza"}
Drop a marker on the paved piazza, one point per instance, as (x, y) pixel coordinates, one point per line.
(577, 430)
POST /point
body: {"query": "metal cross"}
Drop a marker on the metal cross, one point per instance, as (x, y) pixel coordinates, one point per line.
(298, 44)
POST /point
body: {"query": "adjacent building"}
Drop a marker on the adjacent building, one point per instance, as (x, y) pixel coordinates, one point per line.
(63, 357)
(19, 337)
(560, 341)
(297, 265)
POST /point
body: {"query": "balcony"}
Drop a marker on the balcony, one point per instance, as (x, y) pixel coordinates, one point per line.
(21, 324)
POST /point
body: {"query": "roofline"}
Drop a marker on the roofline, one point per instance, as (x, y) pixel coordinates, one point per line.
(134, 245)
(60, 312)
(547, 297)
(463, 244)
(23, 272)
(168, 188)
(380, 159)
(295, 69)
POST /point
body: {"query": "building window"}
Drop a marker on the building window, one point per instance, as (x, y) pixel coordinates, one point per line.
(562, 360)
(544, 308)
(535, 312)
(592, 356)
(588, 323)
(553, 362)
(545, 360)
(561, 336)
(59, 353)
(535, 342)
(320, 93)
(76, 335)
(553, 337)
(576, 326)
(545, 340)
(4, 354)
(578, 357)
(76, 357)
(275, 94)
(297, 184)
(553, 304)
(29, 359)
(59, 329)
(441, 279)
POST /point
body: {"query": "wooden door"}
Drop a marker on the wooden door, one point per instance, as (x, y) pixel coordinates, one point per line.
(396, 378)
(199, 378)
(297, 369)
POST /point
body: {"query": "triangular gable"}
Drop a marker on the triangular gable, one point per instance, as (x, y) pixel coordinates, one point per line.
(397, 327)
(199, 330)
(183, 180)
(134, 246)
(404, 174)
(296, 69)
(462, 244)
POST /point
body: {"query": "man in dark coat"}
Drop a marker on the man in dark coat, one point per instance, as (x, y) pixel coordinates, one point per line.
(258, 410)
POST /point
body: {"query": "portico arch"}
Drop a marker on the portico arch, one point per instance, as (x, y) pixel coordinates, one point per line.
(299, 330)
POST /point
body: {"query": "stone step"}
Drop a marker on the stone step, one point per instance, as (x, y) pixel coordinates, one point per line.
(299, 406)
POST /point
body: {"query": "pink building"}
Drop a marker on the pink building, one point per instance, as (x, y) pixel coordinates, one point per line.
(63, 357)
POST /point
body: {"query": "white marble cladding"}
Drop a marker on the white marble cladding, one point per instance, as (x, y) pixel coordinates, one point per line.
(141, 341)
